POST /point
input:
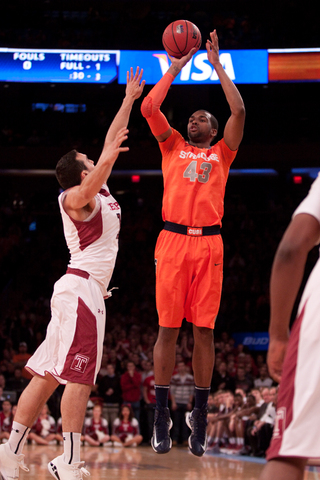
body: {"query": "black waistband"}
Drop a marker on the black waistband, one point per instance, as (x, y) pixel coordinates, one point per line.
(191, 231)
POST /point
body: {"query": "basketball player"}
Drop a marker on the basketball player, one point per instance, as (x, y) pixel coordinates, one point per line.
(189, 251)
(71, 352)
(294, 362)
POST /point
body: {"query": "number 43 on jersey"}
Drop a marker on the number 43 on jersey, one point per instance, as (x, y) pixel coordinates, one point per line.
(203, 175)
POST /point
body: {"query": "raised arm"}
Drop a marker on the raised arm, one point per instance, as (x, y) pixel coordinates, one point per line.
(286, 277)
(93, 178)
(150, 107)
(233, 131)
(134, 90)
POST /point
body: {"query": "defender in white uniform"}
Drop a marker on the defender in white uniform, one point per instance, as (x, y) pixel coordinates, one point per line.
(71, 352)
(295, 362)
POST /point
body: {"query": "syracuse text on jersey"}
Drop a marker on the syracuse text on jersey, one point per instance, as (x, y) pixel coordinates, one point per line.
(212, 156)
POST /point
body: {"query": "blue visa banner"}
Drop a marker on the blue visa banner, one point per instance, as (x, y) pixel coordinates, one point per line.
(242, 66)
(253, 340)
(58, 66)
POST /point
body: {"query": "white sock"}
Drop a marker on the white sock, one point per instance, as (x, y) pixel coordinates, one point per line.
(71, 445)
(18, 437)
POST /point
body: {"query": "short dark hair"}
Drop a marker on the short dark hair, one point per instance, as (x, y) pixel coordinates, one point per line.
(68, 170)
(213, 120)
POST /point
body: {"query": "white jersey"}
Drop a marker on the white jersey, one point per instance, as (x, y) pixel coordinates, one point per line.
(296, 431)
(93, 243)
(311, 206)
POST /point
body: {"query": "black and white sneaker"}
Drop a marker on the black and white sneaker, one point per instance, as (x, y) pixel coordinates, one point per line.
(197, 422)
(161, 441)
(65, 471)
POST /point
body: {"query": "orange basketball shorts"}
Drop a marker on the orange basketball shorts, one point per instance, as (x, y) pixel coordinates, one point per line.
(189, 274)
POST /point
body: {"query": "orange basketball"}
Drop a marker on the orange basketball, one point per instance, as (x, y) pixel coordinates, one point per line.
(180, 37)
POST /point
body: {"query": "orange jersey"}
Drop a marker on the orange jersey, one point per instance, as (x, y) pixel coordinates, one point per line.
(194, 181)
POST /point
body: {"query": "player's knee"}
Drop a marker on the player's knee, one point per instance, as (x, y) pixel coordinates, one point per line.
(203, 334)
(168, 335)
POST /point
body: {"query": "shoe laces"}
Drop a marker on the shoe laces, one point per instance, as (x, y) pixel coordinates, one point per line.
(162, 423)
(200, 423)
(21, 463)
(79, 467)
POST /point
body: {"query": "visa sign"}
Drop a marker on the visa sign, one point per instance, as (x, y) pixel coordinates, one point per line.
(242, 66)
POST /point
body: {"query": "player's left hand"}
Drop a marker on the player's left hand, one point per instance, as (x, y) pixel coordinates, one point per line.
(134, 84)
(212, 47)
(276, 353)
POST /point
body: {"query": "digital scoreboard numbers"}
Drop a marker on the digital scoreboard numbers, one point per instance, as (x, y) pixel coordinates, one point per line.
(58, 66)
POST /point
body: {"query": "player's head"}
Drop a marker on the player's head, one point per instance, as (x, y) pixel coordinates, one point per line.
(126, 412)
(70, 167)
(202, 126)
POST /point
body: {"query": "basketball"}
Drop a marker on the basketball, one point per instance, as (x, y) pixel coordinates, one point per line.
(180, 37)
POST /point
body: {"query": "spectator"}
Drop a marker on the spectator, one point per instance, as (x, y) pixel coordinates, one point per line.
(17, 383)
(20, 359)
(219, 432)
(2, 382)
(5, 412)
(241, 381)
(110, 391)
(6, 424)
(221, 380)
(261, 432)
(115, 361)
(131, 388)
(241, 419)
(95, 428)
(43, 430)
(257, 393)
(181, 391)
(262, 398)
(104, 366)
(236, 424)
(123, 345)
(263, 380)
(125, 428)
(2, 395)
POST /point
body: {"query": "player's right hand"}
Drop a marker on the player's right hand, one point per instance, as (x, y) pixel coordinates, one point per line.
(179, 63)
(276, 353)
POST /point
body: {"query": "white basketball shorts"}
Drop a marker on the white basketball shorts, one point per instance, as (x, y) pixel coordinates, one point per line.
(72, 349)
(296, 430)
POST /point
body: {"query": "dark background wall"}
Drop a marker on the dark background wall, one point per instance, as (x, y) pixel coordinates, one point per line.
(281, 132)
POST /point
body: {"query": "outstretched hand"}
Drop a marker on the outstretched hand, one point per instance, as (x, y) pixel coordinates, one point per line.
(134, 85)
(212, 47)
(112, 149)
(177, 64)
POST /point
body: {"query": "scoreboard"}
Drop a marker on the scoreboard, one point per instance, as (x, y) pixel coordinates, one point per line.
(105, 66)
(58, 66)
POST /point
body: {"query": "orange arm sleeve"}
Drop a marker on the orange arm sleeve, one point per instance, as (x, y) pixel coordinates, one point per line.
(150, 107)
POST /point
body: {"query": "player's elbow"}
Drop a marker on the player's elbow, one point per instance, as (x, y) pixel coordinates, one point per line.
(239, 111)
(146, 107)
(288, 252)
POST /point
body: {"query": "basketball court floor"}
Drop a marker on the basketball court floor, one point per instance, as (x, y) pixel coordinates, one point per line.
(143, 464)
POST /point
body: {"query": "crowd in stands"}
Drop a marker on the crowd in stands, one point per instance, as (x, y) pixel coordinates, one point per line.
(241, 410)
